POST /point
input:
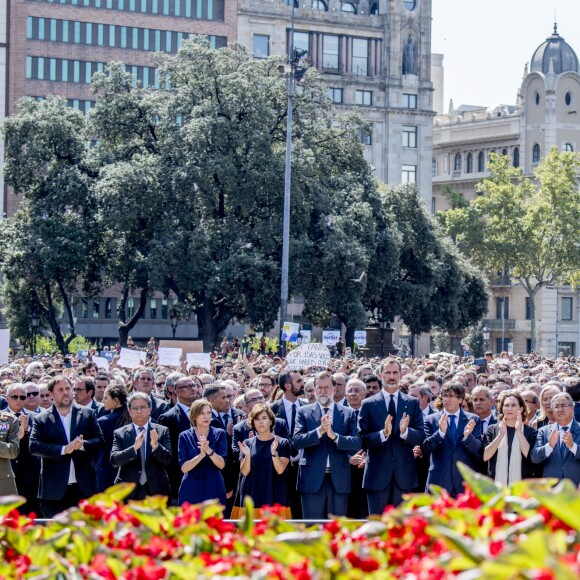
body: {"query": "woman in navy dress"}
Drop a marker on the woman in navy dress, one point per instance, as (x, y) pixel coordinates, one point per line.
(202, 451)
(264, 459)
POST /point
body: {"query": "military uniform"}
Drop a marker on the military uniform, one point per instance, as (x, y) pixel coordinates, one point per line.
(9, 449)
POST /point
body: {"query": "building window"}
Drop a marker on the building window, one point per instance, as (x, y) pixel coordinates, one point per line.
(364, 98)
(501, 344)
(410, 136)
(374, 9)
(319, 5)
(409, 101)
(330, 52)
(504, 151)
(348, 7)
(366, 136)
(261, 46)
(528, 308)
(108, 307)
(536, 153)
(153, 308)
(334, 94)
(505, 303)
(433, 204)
(516, 157)
(469, 163)
(568, 98)
(568, 147)
(96, 307)
(360, 56)
(434, 167)
(457, 162)
(130, 307)
(567, 348)
(164, 309)
(410, 4)
(302, 41)
(481, 162)
(537, 98)
(84, 308)
(566, 308)
(408, 174)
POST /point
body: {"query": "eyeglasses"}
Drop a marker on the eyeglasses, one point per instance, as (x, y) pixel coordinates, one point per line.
(146, 379)
(18, 397)
(138, 409)
(160, 384)
(79, 389)
(47, 396)
(559, 407)
(189, 387)
(33, 394)
(264, 384)
(254, 400)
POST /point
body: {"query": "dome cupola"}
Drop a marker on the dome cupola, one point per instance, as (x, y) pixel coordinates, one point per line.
(556, 50)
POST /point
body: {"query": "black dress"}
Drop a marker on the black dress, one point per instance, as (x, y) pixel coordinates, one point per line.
(528, 468)
(264, 484)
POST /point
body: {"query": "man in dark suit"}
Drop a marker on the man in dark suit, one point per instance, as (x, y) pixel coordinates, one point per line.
(390, 424)
(142, 451)
(221, 397)
(187, 390)
(291, 384)
(66, 437)
(423, 394)
(482, 399)
(357, 499)
(84, 393)
(557, 447)
(143, 382)
(573, 389)
(452, 436)
(242, 431)
(26, 467)
(328, 434)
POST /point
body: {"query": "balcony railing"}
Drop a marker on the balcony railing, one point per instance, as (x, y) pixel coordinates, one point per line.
(496, 323)
(503, 280)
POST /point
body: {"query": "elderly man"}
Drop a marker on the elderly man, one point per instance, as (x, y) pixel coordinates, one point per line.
(45, 397)
(423, 394)
(143, 382)
(9, 448)
(558, 445)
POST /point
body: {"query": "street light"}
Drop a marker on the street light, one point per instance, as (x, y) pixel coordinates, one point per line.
(383, 326)
(486, 332)
(173, 320)
(35, 323)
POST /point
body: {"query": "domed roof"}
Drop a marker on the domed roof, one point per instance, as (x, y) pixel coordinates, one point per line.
(557, 50)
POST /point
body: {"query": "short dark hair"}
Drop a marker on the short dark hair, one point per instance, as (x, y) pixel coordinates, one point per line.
(212, 390)
(55, 380)
(285, 378)
(372, 379)
(454, 387)
(102, 377)
(257, 410)
(88, 382)
(573, 389)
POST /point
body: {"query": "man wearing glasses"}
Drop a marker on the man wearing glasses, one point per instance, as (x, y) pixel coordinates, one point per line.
(32, 402)
(142, 451)
(187, 390)
(557, 447)
(45, 397)
(84, 394)
(143, 382)
(266, 386)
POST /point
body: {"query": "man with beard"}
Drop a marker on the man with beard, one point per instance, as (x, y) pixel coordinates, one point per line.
(328, 434)
(66, 437)
(292, 385)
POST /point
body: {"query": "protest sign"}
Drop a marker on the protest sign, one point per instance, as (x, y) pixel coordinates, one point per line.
(360, 337)
(101, 362)
(82, 355)
(198, 359)
(129, 358)
(4, 345)
(108, 354)
(185, 345)
(306, 336)
(308, 355)
(290, 331)
(169, 356)
(330, 337)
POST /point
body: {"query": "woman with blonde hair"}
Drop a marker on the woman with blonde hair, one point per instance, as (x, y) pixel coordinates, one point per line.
(546, 415)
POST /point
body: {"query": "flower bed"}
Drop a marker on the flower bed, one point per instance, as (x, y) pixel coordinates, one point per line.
(527, 531)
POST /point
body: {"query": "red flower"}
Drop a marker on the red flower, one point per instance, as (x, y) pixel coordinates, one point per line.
(496, 547)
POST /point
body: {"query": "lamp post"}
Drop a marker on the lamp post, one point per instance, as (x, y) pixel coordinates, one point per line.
(383, 326)
(35, 323)
(486, 332)
(173, 320)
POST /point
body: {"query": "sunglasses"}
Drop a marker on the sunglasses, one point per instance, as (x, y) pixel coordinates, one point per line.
(33, 394)
(18, 397)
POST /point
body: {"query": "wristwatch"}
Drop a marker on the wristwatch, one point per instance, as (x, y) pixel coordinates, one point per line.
(275, 454)
(210, 454)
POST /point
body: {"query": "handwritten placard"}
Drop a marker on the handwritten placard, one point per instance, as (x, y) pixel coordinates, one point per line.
(308, 355)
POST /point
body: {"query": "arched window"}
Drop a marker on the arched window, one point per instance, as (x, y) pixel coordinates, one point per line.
(504, 151)
(516, 157)
(348, 7)
(434, 167)
(481, 162)
(568, 147)
(536, 153)
(457, 162)
(374, 9)
(319, 5)
(289, 2)
(469, 163)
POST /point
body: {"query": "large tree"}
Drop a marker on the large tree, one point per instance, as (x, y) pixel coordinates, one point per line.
(525, 226)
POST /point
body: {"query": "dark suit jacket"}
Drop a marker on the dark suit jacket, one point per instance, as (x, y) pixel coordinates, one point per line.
(124, 456)
(47, 439)
(553, 466)
(577, 411)
(106, 473)
(26, 467)
(394, 457)
(231, 471)
(278, 410)
(317, 450)
(242, 432)
(98, 408)
(177, 422)
(158, 407)
(445, 453)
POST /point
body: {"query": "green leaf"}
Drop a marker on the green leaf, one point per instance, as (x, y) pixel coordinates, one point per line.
(563, 500)
(148, 517)
(247, 523)
(114, 494)
(467, 547)
(9, 503)
(483, 487)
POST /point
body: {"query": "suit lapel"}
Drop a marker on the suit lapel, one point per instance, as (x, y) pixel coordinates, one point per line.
(75, 419)
(401, 408)
(337, 419)
(57, 421)
(316, 414)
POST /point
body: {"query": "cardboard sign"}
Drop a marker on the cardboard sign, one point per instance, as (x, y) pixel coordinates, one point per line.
(101, 362)
(199, 359)
(308, 355)
(290, 331)
(360, 337)
(169, 356)
(185, 345)
(4, 345)
(130, 359)
(330, 337)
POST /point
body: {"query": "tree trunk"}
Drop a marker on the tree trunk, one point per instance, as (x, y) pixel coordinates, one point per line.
(532, 291)
(349, 337)
(50, 313)
(212, 320)
(126, 326)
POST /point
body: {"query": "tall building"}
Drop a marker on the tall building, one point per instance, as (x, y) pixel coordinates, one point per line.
(546, 114)
(375, 56)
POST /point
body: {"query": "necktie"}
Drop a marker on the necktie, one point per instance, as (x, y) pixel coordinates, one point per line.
(325, 410)
(143, 478)
(293, 420)
(356, 416)
(392, 411)
(452, 427)
(563, 447)
(225, 420)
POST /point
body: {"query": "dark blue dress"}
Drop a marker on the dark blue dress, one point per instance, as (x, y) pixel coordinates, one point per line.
(205, 480)
(264, 484)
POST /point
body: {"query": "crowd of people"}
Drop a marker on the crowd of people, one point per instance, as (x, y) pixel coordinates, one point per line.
(346, 440)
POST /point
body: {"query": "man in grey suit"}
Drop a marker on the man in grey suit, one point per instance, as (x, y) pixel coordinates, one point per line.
(558, 445)
(328, 434)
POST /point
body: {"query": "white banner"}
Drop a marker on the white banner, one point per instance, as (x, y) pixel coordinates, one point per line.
(330, 337)
(101, 362)
(129, 358)
(308, 355)
(4, 345)
(169, 356)
(198, 359)
(360, 337)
